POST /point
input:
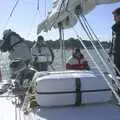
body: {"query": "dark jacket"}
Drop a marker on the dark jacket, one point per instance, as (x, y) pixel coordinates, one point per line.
(116, 32)
(116, 45)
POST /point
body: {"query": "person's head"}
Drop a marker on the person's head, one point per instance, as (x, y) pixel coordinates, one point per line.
(76, 52)
(5, 32)
(40, 39)
(116, 14)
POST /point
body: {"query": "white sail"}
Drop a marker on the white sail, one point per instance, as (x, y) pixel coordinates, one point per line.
(63, 11)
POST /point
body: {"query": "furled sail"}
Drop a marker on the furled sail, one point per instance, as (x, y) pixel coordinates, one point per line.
(63, 11)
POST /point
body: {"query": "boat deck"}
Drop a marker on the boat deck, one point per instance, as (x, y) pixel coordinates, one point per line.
(102, 111)
(89, 112)
(8, 111)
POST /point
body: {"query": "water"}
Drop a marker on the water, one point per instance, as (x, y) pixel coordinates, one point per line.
(4, 61)
(4, 66)
(68, 53)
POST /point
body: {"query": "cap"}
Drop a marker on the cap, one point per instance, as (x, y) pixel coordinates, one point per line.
(116, 11)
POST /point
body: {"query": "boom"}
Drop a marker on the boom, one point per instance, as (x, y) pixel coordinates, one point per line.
(63, 11)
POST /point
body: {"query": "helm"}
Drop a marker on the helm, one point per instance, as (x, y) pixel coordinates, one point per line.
(116, 11)
(6, 32)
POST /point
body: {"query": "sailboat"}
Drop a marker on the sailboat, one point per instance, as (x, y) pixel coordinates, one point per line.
(69, 95)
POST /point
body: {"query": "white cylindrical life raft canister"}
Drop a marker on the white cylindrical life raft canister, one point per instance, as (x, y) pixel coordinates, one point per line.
(71, 88)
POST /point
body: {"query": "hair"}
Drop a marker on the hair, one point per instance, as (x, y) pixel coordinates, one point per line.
(77, 50)
(116, 11)
(40, 38)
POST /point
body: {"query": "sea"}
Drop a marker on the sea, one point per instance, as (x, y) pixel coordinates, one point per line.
(91, 56)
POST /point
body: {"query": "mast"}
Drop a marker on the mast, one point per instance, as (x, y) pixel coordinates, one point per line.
(61, 38)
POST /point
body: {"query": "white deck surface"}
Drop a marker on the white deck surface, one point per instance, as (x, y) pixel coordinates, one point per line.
(8, 110)
(106, 111)
(88, 112)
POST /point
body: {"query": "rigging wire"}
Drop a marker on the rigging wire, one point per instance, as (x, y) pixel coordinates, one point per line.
(45, 7)
(106, 66)
(91, 39)
(114, 78)
(36, 14)
(38, 6)
(13, 9)
(87, 31)
(10, 15)
(88, 27)
(97, 66)
(107, 56)
(89, 34)
(101, 58)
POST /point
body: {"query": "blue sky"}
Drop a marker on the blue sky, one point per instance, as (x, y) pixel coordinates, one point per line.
(26, 18)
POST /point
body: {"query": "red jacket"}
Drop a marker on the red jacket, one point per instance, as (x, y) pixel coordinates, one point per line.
(75, 63)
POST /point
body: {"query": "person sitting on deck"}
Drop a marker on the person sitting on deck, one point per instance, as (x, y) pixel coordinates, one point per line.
(77, 61)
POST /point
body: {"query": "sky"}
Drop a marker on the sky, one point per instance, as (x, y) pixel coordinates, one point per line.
(26, 17)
